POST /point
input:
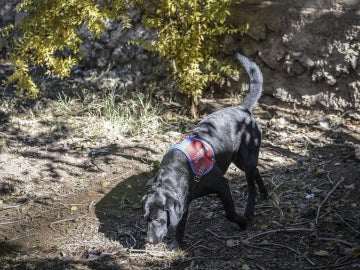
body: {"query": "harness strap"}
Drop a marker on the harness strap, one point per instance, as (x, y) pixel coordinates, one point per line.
(199, 153)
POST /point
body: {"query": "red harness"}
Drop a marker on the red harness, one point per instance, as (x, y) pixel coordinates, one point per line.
(200, 155)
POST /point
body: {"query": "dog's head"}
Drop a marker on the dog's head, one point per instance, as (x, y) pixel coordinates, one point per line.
(162, 209)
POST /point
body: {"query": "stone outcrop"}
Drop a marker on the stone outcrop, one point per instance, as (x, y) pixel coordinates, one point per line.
(309, 50)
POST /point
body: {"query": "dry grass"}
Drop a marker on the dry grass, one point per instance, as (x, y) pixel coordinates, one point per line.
(111, 115)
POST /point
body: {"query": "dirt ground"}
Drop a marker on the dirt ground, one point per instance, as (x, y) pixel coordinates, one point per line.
(68, 202)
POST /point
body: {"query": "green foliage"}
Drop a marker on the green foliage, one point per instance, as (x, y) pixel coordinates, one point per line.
(187, 37)
(188, 32)
(48, 36)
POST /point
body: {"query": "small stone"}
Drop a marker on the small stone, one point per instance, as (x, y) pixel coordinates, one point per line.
(232, 243)
(324, 124)
(282, 123)
(357, 153)
(54, 128)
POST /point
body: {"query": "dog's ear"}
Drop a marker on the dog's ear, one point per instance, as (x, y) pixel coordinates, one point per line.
(175, 212)
(145, 206)
(144, 198)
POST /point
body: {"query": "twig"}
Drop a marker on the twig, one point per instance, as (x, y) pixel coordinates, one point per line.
(193, 246)
(280, 230)
(155, 253)
(5, 207)
(218, 236)
(60, 221)
(260, 267)
(133, 238)
(123, 174)
(326, 198)
(5, 135)
(347, 224)
(97, 167)
(190, 259)
(9, 222)
(333, 266)
(310, 261)
(346, 243)
(278, 245)
(91, 206)
(102, 255)
(262, 248)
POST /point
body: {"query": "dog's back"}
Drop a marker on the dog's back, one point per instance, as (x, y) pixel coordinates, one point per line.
(228, 129)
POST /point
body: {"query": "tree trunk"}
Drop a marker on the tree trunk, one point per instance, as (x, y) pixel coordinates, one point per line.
(194, 113)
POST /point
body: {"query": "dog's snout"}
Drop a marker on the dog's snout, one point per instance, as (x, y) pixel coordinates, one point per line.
(150, 240)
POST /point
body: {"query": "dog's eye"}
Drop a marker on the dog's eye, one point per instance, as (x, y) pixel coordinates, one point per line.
(151, 219)
(158, 220)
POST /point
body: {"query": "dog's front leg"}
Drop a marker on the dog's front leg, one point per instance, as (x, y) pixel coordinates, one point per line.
(223, 191)
(179, 233)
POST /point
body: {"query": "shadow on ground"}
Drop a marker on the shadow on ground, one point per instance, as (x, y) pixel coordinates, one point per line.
(120, 212)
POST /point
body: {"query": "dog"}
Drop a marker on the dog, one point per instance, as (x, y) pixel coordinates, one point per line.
(195, 166)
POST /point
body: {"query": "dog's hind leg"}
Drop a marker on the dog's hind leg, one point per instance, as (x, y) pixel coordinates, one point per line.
(262, 189)
(253, 176)
(250, 175)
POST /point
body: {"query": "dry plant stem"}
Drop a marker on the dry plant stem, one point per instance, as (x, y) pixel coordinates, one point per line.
(310, 261)
(278, 245)
(326, 198)
(347, 224)
(124, 174)
(194, 246)
(60, 221)
(346, 243)
(261, 248)
(218, 236)
(5, 207)
(154, 253)
(133, 238)
(97, 167)
(280, 230)
(260, 267)
(9, 222)
(335, 266)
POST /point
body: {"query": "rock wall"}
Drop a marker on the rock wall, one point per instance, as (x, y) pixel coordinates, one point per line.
(308, 50)
(114, 51)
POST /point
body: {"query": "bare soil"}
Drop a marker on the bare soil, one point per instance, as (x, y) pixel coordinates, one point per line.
(68, 202)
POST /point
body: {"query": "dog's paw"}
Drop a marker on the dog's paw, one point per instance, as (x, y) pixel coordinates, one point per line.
(249, 215)
(242, 222)
(174, 246)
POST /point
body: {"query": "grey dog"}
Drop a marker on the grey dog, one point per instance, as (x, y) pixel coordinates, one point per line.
(230, 135)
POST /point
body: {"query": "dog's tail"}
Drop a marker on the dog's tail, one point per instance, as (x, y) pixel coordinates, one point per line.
(256, 82)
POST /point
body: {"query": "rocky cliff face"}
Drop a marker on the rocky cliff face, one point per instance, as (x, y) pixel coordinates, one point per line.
(308, 50)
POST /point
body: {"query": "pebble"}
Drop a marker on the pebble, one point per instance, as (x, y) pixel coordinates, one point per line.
(324, 124)
(357, 153)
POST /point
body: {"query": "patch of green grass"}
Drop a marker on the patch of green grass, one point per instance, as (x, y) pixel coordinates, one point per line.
(132, 116)
(66, 104)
